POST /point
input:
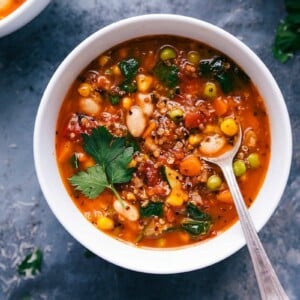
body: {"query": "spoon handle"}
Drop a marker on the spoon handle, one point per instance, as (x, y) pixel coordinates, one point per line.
(268, 282)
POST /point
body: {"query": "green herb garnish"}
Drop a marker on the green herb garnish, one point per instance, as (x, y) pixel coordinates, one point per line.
(287, 38)
(152, 209)
(112, 157)
(32, 263)
(167, 74)
(74, 161)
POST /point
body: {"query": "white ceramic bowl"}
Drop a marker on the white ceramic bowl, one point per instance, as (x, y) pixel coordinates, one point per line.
(21, 16)
(122, 254)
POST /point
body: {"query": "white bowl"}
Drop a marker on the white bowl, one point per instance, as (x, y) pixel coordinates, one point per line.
(21, 16)
(166, 260)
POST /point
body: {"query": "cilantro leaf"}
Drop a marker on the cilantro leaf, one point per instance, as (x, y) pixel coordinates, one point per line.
(91, 183)
(102, 145)
(118, 171)
(32, 263)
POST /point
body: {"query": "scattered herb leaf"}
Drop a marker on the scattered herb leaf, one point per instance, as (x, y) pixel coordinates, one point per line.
(152, 209)
(287, 38)
(32, 263)
(167, 74)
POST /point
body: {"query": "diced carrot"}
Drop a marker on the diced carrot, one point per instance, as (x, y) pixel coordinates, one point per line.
(224, 196)
(190, 166)
(149, 129)
(220, 105)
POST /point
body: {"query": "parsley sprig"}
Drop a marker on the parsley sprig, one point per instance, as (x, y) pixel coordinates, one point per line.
(112, 155)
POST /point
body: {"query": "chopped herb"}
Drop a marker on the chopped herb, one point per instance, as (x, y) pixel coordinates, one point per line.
(152, 209)
(287, 38)
(74, 161)
(32, 263)
(129, 68)
(167, 74)
(114, 99)
(112, 157)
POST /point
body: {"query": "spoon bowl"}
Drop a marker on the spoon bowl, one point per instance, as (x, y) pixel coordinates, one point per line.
(268, 282)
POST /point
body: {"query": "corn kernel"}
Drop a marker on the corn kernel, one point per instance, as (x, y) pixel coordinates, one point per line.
(229, 127)
(130, 196)
(132, 164)
(105, 223)
(103, 60)
(126, 102)
(116, 70)
(144, 82)
(84, 89)
(194, 139)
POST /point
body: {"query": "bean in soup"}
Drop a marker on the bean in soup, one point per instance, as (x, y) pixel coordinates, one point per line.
(132, 130)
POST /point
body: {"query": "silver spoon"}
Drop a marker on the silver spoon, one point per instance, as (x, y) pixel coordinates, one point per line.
(268, 282)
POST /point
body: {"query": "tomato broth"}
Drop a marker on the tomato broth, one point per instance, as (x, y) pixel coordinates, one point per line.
(132, 130)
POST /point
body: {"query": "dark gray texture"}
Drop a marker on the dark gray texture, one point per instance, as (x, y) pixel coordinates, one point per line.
(28, 59)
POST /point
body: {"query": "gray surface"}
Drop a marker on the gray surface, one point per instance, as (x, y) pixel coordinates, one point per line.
(28, 58)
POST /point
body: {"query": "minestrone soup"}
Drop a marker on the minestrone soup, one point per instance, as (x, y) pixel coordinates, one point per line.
(133, 128)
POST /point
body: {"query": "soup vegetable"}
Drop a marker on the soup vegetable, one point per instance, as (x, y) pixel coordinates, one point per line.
(8, 6)
(132, 130)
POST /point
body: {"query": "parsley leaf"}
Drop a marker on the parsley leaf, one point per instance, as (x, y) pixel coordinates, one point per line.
(32, 263)
(102, 145)
(118, 172)
(112, 155)
(91, 183)
(287, 38)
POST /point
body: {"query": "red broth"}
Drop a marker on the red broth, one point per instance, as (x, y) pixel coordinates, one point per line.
(9, 6)
(167, 100)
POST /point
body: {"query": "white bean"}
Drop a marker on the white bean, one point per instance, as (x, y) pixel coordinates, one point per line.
(136, 121)
(145, 102)
(89, 106)
(212, 144)
(127, 210)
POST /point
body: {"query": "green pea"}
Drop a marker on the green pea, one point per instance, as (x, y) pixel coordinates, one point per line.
(193, 57)
(214, 182)
(210, 90)
(253, 160)
(167, 53)
(239, 168)
(176, 114)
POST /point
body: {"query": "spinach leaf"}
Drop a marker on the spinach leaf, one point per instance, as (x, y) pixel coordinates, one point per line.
(195, 213)
(152, 209)
(114, 99)
(225, 72)
(167, 74)
(128, 87)
(129, 68)
(195, 227)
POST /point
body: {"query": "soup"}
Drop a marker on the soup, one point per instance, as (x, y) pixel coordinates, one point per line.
(132, 130)
(9, 6)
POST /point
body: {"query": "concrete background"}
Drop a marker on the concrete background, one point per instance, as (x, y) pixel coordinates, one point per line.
(28, 59)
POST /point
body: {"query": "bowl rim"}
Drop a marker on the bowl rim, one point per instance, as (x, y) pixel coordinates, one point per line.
(155, 261)
(21, 16)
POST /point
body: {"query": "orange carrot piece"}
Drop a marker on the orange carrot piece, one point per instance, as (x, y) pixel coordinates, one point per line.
(220, 105)
(190, 166)
(225, 196)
